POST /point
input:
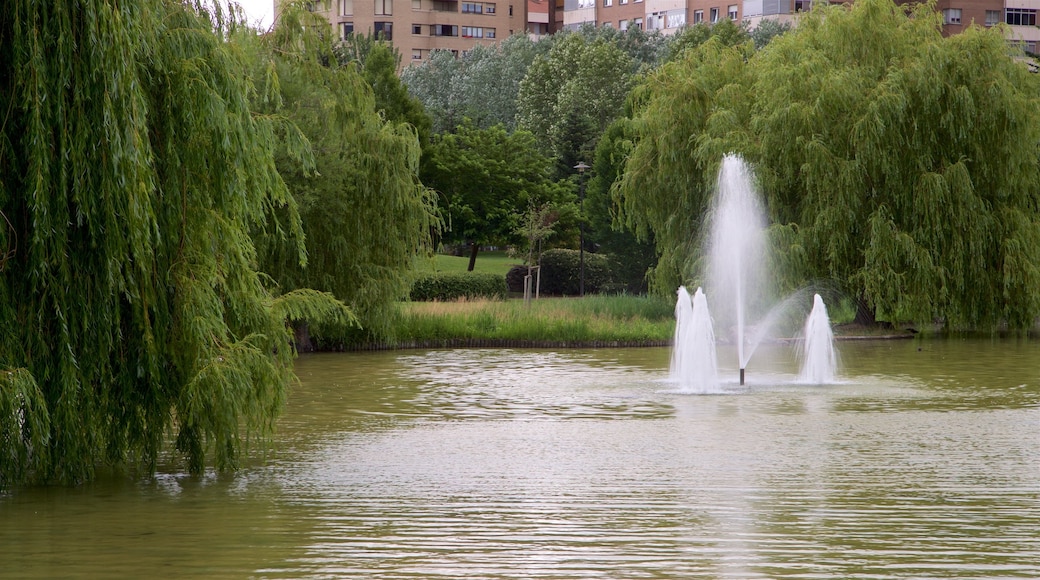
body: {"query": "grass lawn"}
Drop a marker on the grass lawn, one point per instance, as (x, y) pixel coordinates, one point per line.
(493, 262)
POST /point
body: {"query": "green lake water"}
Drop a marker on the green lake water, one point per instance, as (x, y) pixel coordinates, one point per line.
(923, 461)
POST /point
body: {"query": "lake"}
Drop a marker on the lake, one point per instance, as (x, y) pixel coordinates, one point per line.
(922, 461)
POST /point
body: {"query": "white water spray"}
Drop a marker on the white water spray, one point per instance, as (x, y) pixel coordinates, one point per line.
(821, 360)
(736, 278)
(694, 366)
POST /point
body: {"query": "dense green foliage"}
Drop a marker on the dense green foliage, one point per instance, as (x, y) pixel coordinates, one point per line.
(897, 162)
(377, 62)
(479, 87)
(572, 94)
(365, 215)
(561, 272)
(131, 309)
(486, 179)
(445, 286)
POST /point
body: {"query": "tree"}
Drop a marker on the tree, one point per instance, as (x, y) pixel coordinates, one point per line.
(480, 86)
(571, 95)
(669, 176)
(131, 169)
(631, 259)
(486, 178)
(896, 161)
(364, 213)
(378, 61)
(725, 31)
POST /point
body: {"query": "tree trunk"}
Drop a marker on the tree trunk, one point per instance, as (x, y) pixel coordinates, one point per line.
(473, 256)
(864, 313)
(302, 336)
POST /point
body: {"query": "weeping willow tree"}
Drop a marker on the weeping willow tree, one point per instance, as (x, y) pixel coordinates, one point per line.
(365, 214)
(665, 189)
(133, 318)
(900, 163)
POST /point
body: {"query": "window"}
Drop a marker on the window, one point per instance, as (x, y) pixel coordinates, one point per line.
(472, 8)
(607, 3)
(732, 11)
(346, 7)
(1020, 16)
(384, 7)
(444, 30)
(714, 14)
(802, 5)
(417, 29)
(472, 32)
(622, 2)
(416, 54)
(951, 16)
(622, 25)
(489, 9)
(675, 19)
(416, 4)
(637, 23)
(510, 9)
(489, 33)
(698, 16)
(384, 30)
(992, 17)
(345, 29)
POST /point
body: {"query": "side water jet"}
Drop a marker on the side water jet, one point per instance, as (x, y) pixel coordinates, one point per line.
(694, 366)
(821, 360)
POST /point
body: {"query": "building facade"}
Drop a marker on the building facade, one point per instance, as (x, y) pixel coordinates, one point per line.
(416, 27)
(668, 16)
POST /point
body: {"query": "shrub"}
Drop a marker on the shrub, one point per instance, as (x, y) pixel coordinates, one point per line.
(446, 286)
(561, 272)
(515, 278)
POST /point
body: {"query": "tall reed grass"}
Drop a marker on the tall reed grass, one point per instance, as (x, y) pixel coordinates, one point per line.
(592, 319)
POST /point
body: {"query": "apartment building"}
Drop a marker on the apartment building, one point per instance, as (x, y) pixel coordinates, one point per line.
(416, 27)
(668, 16)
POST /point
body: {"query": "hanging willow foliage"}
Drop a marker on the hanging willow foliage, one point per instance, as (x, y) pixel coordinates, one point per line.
(896, 161)
(131, 310)
(365, 214)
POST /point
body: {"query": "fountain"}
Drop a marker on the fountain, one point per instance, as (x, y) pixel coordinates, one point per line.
(693, 363)
(820, 359)
(737, 276)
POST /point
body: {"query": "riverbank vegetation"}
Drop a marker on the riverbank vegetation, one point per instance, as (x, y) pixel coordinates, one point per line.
(632, 320)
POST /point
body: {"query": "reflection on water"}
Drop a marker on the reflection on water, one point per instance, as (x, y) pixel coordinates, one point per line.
(924, 461)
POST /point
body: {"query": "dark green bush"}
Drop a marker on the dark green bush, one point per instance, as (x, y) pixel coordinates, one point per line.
(454, 285)
(561, 272)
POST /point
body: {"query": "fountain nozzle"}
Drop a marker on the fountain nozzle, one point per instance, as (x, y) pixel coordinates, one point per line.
(742, 377)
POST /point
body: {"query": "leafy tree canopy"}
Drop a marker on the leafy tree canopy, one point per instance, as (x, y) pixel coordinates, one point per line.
(131, 171)
(365, 215)
(378, 62)
(486, 179)
(572, 94)
(896, 161)
(480, 86)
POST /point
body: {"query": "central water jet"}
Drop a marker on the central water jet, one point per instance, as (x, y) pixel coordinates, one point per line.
(736, 249)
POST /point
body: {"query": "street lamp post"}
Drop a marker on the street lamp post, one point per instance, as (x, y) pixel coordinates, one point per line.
(581, 167)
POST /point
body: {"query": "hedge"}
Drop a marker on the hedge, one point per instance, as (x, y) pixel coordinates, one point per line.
(561, 272)
(446, 286)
